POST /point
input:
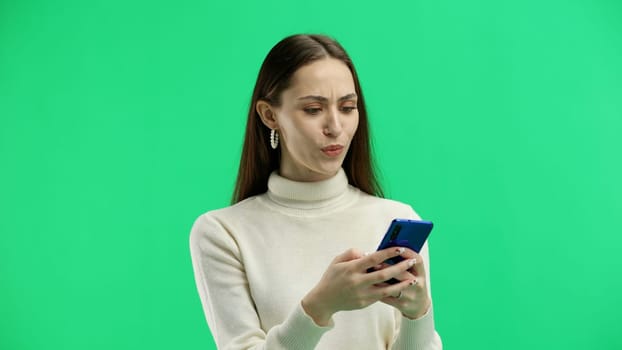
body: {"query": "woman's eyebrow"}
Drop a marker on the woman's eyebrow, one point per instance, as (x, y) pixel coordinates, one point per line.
(348, 97)
(324, 99)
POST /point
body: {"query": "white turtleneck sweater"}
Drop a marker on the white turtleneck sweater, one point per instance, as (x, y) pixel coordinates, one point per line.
(255, 261)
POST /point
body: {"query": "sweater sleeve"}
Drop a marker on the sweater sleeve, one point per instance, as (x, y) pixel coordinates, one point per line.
(226, 299)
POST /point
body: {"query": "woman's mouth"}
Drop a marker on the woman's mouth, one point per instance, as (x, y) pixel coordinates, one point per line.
(333, 150)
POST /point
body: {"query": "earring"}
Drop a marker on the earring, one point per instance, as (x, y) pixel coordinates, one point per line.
(274, 139)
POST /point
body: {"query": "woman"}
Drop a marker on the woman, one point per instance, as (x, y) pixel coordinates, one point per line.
(283, 268)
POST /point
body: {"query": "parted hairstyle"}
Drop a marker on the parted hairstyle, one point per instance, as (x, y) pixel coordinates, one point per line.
(258, 159)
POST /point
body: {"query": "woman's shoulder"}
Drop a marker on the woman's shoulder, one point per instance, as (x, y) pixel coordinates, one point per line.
(220, 222)
(234, 210)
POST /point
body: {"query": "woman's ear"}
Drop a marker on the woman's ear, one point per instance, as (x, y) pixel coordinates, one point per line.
(267, 115)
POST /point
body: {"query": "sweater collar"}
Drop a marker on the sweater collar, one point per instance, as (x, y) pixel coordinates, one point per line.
(288, 192)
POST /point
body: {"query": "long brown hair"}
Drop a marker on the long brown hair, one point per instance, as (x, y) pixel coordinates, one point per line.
(258, 159)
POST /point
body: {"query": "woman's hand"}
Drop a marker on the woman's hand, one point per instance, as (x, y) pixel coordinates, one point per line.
(413, 300)
(346, 284)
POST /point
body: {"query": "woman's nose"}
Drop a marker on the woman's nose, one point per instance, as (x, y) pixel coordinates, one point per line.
(333, 125)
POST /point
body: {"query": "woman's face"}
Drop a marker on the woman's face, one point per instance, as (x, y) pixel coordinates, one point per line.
(316, 120)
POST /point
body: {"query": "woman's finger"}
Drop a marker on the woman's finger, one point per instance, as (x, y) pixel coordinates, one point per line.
(393, 291)
(348, 255)
(387, 273)
(378, 257)
(418, 269)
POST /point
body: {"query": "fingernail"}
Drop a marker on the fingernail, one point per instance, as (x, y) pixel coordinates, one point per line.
(366, 253)
(412, 262)
(400, 250)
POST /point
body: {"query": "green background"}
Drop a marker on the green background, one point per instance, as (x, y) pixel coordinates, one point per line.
(122, 121)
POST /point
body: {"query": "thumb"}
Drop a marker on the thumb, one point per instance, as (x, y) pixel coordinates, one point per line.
(348, 255)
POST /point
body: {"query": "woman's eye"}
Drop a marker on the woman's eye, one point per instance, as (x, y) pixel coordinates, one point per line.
(311, 110)
(348, 109)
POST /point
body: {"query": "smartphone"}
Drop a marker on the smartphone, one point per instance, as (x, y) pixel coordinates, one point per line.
(405, 233)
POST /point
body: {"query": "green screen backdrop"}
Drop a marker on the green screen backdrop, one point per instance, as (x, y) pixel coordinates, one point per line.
(122, 121)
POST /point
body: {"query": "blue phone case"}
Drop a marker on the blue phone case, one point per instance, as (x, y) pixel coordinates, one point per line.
(405, 233)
